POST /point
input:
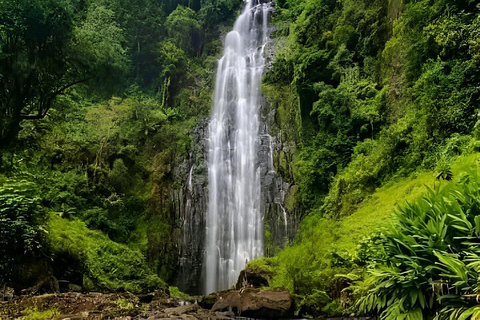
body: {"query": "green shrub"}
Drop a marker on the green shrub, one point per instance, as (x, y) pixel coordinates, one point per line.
(21, 220)
(176, 293)
(430, 256)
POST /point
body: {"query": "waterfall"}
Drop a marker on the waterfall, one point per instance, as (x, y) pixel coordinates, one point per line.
(234, 226)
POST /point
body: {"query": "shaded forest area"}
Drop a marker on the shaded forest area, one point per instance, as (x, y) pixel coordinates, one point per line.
(97, 101)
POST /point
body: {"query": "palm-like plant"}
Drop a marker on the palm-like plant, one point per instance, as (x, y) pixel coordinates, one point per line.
(431, 249)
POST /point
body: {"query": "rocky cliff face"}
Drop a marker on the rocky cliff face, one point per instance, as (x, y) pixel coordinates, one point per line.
(190, 205)
(282, 216)
(278, 188)
(190, 198)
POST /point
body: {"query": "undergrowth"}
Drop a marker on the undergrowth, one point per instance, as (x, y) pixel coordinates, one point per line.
(107, 265)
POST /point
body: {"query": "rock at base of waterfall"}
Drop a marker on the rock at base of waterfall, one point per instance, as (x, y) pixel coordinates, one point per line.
(253, 302)
(208, 301)
(253, 277)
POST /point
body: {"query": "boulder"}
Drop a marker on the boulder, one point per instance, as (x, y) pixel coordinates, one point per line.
(253, 277)
(6, 293)
(178, 311)
(256, 303)
(208, 301)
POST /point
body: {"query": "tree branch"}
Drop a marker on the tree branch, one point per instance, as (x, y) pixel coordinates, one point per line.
(43, 113)
(65, 87)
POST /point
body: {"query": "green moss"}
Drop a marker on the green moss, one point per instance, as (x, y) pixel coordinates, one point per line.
(261, 265)
(290, 198)
(283, 99)
(270, 248)
(107, 265)
(282, 162)
(176, 293)
(35, 314)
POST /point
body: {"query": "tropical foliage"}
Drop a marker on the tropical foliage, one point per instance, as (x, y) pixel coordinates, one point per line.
(429, 256)
(372, 100)
(381, 88)
(379, 97)
(97, 99)
(21, 230)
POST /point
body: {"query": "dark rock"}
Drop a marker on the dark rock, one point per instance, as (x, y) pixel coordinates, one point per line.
(253, 277)
(146, 298)
(252, 302)
(208, 301)
(190, 205)
(191, 308)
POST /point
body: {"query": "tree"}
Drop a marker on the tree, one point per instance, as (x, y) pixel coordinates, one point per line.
(184, 29)
(44, 52)
(175, 65)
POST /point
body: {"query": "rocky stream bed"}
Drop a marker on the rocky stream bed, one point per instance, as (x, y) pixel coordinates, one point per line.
(247, 302)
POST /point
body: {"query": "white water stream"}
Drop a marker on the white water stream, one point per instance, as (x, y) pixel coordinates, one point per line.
(234, 233)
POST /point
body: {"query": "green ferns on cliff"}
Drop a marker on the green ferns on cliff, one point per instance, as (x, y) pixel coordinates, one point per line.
(380, 88)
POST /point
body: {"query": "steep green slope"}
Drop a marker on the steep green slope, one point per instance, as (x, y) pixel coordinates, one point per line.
(326, 248)
(379, 97)
(104, 265)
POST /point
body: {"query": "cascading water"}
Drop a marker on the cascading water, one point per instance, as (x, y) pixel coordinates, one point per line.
(234, 223)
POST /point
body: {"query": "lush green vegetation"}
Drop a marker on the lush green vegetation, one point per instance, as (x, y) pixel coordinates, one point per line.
(105, 265)
(379, 98)
(97, 99)
(381, 88)
(328, 266)
(428, 258)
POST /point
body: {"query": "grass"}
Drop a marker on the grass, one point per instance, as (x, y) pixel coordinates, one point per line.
(323, 243)
(377, 208)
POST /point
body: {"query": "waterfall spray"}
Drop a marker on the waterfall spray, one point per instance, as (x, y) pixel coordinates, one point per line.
(234, 223)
